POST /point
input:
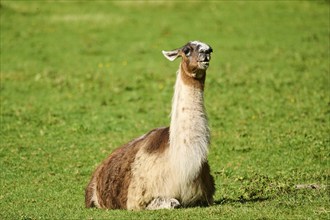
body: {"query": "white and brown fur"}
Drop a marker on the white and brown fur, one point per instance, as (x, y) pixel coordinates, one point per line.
(167, 167)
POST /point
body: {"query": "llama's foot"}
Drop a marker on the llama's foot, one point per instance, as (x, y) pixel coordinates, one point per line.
(163, 203)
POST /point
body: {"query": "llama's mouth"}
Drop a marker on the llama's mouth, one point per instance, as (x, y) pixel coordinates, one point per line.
(204, 65)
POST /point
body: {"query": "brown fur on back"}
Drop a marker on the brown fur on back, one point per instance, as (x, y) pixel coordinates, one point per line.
(112, 178)
(159, 141)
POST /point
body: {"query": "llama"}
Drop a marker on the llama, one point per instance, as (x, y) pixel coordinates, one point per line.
(167, 167)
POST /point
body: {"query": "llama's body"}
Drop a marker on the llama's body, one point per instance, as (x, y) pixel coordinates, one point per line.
(166, 167)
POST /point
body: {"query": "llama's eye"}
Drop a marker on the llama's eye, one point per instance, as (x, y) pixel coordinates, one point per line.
(186, 51)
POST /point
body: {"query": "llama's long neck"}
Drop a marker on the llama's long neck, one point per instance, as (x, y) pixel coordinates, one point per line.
(189, 132)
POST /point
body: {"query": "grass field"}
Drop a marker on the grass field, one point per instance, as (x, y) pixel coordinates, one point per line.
(79, 79)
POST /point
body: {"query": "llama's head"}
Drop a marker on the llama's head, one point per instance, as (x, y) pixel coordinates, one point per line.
(195, 55)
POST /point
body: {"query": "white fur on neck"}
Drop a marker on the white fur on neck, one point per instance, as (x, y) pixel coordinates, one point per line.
(189, 132)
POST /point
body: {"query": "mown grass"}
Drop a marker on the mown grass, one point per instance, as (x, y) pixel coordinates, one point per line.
(79, 79)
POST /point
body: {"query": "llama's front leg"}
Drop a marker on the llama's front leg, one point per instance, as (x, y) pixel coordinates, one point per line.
(163, 203)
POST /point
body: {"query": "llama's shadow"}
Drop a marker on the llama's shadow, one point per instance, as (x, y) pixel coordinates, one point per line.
(224, 201)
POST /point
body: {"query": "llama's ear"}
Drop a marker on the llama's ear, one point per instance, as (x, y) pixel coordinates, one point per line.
(171, 55)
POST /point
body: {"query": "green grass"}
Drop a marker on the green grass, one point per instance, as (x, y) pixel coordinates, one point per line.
(79, 79)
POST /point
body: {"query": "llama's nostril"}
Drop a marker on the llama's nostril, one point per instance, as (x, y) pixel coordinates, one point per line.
(207, 57)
